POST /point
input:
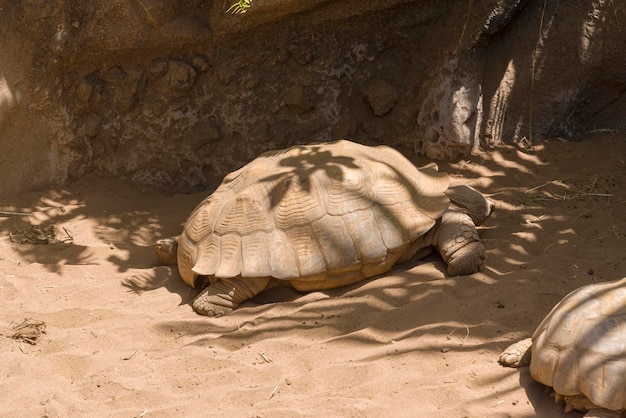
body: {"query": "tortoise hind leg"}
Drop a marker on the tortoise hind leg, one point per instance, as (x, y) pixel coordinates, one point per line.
(225, 295)
(458, 243)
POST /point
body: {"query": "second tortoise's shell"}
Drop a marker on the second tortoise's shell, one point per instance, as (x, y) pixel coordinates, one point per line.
(315, 215)
(580, 347)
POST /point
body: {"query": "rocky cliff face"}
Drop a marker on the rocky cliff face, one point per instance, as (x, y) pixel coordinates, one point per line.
(178, 93)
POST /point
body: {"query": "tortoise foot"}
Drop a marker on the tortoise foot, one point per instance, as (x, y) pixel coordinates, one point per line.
(517, 354)
(467, 260)
(203, 305)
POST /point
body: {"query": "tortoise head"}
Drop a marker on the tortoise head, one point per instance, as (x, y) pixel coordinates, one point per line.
(471, 201)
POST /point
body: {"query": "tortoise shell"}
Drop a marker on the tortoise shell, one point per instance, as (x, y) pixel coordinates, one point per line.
(317, 215)
(580, 347)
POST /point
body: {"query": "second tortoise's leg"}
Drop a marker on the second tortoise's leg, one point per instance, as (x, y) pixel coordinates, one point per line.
(225, 295)
(517, 354)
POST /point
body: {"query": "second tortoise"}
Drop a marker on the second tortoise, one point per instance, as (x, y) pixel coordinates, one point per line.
(579, 350)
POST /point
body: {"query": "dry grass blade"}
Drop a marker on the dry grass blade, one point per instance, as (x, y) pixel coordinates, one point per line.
(264, 357)
(273, 393)
(532, 189)
(579, 188)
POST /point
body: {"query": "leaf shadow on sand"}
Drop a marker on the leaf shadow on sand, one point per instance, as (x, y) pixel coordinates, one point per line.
(538, 227)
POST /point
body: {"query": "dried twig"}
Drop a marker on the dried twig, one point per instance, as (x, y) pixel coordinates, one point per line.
(9, 213)
(581, 190)
(69, 233)
(28, 331)
(559, 182)
(35, 235)
(467, 333)
(536, 220)
(602, 130)
(273, 392)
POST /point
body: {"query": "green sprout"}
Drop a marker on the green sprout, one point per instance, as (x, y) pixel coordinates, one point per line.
(240, 7)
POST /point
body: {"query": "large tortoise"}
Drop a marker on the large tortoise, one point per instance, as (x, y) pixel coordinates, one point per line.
(579, 350)
(322, 216)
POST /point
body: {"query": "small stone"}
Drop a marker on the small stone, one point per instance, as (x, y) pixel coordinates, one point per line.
(381, 96)
(302, 52)
(159, 67)
(182, 76)
(83, 91)
(199, 63)
(114, 75)
(90, 125)
(297, 100)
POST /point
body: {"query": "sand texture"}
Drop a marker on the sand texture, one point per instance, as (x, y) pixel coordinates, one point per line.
(92, 326)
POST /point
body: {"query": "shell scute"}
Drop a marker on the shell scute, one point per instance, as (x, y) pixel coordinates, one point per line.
(255, 255)
(307, 251)
(207, 255)
(283, 260)
(363, 229)
(296, 202)
(336, 244)
(230, 261)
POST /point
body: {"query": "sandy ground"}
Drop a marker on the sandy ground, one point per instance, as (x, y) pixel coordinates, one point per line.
(121, 339)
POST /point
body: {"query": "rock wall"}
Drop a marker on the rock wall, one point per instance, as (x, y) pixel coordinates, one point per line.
(178, 93)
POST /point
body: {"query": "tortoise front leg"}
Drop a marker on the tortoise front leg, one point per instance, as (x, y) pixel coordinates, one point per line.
(458, 242)
(517, 354)
(225, 295)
